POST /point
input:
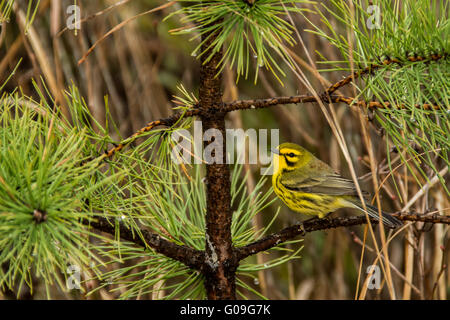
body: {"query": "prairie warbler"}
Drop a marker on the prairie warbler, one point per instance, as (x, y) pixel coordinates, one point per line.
(309, 186)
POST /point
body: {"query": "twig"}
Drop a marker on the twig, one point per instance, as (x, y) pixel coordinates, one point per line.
(93, 16)
(441, 272)
(357, 240)
(250, 104)
(151, 125)
(322, 224)
(426, 186)
(120, 25)
(371, 68)
(196, 259)
(264, 103)
(190, 257)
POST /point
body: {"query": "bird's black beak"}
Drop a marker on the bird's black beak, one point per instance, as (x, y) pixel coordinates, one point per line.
(275, 151)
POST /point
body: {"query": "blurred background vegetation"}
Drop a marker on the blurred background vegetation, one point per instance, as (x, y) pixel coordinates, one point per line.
(137, 71)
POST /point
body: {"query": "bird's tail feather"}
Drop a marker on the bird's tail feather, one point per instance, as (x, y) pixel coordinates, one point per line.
(372, 211)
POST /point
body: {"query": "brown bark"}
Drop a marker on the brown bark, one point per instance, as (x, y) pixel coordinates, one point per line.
(195, 259)
(220, 267)
(190, 257)
(317, 224)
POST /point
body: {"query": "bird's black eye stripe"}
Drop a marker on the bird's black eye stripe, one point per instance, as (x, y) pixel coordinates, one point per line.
(289, 163)
(290, 155)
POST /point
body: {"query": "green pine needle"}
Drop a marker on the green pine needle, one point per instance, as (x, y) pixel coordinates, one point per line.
(252, 35)
(46, 178)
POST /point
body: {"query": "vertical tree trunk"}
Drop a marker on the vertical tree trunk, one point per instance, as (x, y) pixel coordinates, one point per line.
(220, 268)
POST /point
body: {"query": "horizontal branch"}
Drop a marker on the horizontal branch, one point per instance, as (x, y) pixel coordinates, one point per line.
(195, 258)
(255, 104)
(190, 257)
(265, 103)
(316, 224)
(426, 217)
(371, 68)
(168, 122)
(326, 96)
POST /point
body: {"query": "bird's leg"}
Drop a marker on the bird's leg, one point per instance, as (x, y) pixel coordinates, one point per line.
(326, 217)
(301, 228)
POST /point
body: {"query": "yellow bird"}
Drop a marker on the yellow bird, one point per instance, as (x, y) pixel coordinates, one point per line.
(308, 185)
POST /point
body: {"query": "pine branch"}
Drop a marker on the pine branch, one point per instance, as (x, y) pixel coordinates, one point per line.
(190, 257)
(265, 103)
(373, 67)
(316, 224)
(196, 258)
(169, 121)
(327, 97)
(258, 104)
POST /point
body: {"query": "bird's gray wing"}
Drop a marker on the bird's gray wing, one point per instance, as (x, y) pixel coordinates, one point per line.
(328, 184)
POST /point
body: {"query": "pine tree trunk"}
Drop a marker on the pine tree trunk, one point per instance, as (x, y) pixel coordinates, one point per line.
(220, 268)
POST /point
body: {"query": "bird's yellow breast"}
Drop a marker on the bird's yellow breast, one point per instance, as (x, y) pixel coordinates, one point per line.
(306, 203)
